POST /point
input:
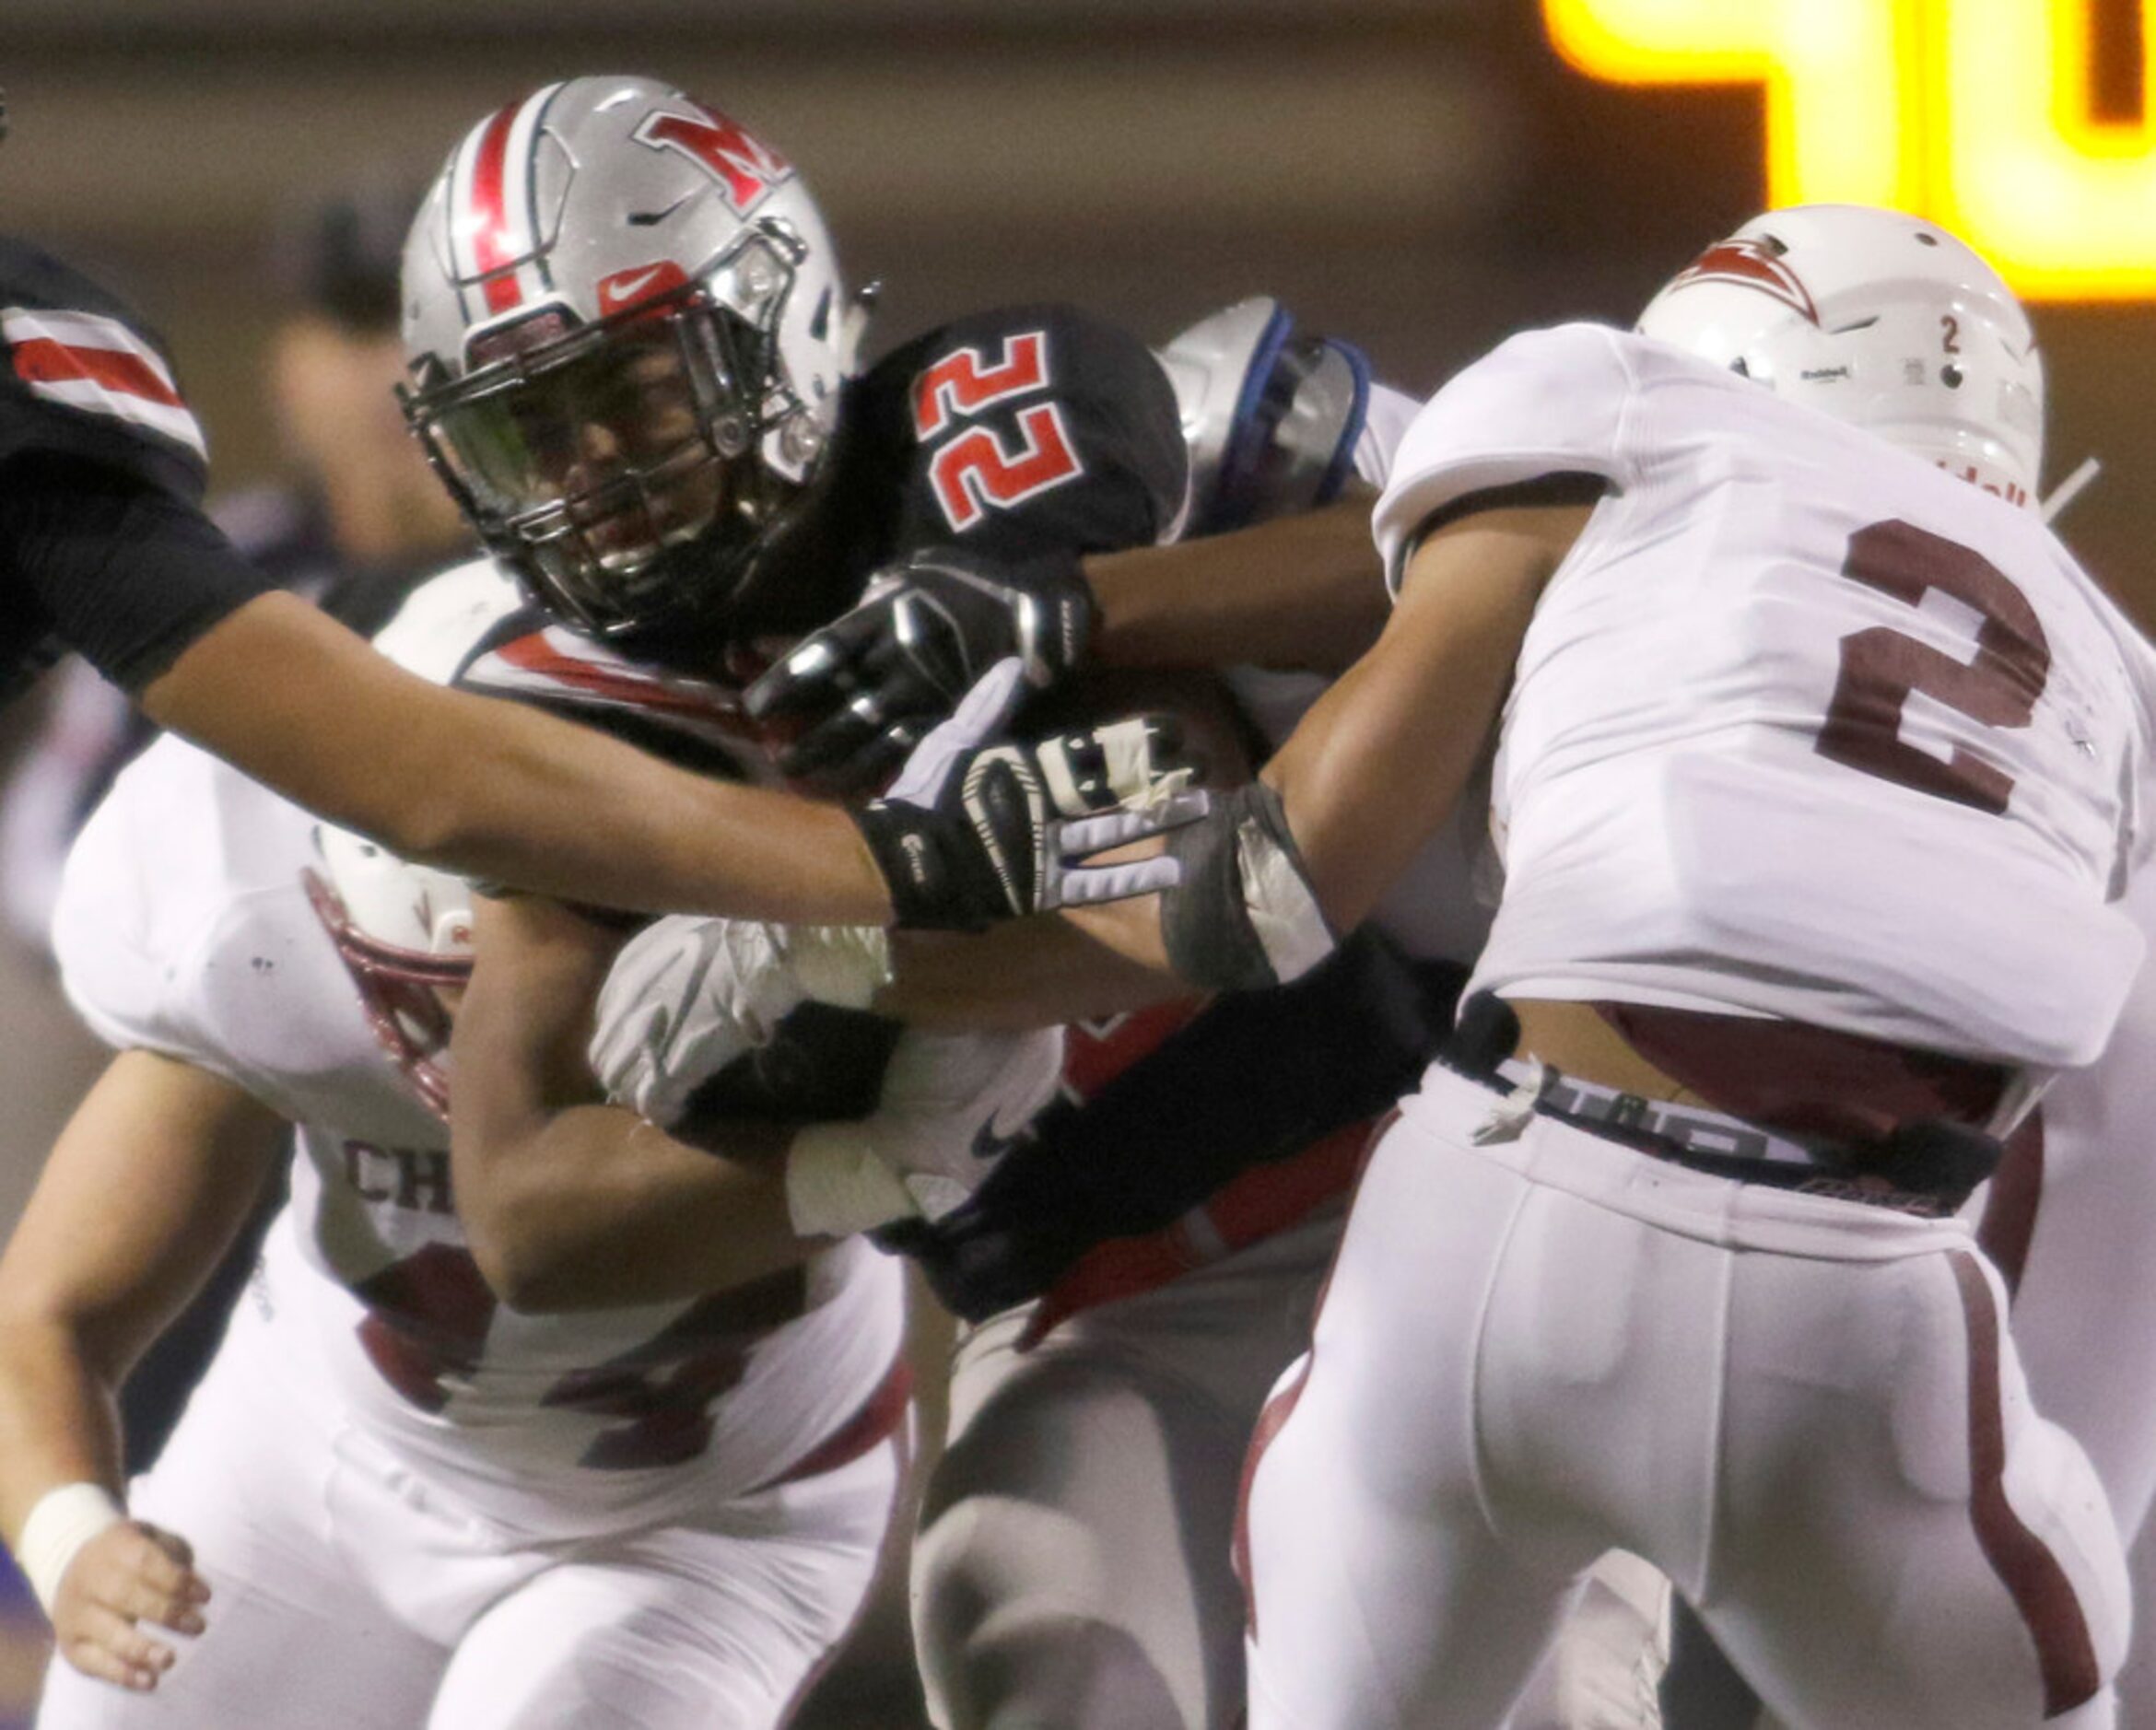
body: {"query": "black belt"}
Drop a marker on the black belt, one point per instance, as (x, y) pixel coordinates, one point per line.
(1927, 1166)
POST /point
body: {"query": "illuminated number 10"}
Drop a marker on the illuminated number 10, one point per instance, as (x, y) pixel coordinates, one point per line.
(1976, 113)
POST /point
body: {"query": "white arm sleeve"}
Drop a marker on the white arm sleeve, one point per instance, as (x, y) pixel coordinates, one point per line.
(1544, 402)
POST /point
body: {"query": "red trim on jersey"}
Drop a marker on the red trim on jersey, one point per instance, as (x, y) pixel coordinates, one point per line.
(1254, 1204)
(489, 214)
(2010, 1212)
(43, 360)
(625, 684)
(2025, 1566)
(1095, 1053)
(880, 1416)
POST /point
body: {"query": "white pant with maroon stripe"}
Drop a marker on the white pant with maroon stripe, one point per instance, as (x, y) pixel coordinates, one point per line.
(1803, 1411)
(1072, 1569)
(351, 1594)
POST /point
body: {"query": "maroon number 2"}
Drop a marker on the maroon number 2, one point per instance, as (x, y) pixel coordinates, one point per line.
(1881, 666)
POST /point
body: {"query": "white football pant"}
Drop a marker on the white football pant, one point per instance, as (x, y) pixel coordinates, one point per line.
(1804, 1411)
(346, 1593)
(1071, 1570)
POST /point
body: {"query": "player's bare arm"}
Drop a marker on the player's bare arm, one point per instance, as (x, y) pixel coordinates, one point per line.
(146, 1188)
(571, 1203)
(496, 790)
(1428, 696)
(1303, 591)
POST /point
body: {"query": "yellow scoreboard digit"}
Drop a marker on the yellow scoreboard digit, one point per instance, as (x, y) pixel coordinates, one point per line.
(1976, 112)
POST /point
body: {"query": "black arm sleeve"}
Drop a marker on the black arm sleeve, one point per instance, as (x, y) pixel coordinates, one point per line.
(1258, 1076)
(118, 569)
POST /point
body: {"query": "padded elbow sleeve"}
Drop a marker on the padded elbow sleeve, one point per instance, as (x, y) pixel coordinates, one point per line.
(1244, 916)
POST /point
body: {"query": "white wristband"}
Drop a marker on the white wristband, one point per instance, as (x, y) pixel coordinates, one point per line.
(835, 1185)
(64, 1520)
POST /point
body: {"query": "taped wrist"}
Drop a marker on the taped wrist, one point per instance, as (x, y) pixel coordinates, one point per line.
(837, 1186)
(65, 1519)
(1244, 916)
(1054, 616)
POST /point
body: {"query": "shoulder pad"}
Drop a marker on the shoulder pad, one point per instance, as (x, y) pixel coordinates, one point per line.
(1270, 416)
(698, 722)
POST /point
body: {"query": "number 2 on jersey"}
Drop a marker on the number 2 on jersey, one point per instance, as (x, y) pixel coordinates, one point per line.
(1881, 666)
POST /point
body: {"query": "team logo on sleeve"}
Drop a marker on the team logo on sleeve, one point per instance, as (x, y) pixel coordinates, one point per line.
(97, 365)
(1750, 265)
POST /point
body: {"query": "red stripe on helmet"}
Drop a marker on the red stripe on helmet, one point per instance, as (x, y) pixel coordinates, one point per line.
(489, 216)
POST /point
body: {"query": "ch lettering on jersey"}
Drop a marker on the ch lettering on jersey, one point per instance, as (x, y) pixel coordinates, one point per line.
(413, 1178)
(86, 361)
(745, 167)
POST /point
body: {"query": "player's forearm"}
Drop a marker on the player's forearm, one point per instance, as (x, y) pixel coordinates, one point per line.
(58, 1421)
(595, 1208)
(1304, 592)
(567, 812)
(498, 791)
(1032, 973)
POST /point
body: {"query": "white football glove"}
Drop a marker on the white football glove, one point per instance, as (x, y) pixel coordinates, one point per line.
(953, 1105)
(686, 996)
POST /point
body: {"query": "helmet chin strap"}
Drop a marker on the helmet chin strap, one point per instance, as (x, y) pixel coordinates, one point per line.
(2067, 490)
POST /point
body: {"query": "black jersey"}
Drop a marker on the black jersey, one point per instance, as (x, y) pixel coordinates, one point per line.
(103, 547)
(1016, 432)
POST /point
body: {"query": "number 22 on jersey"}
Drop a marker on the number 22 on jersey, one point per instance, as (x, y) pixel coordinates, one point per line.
(974, 470)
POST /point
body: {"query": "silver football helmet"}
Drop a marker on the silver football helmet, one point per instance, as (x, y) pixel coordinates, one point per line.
(1875, 318)
(627, 337)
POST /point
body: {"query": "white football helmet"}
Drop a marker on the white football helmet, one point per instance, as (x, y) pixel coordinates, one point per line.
(404, 930)
(626, 336)
(1878, 319)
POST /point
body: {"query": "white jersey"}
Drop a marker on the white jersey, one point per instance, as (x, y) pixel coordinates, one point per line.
(185, 926)
(1802, 727)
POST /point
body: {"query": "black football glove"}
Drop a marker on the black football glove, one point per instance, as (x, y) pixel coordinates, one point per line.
(866, 688)
(976, 830)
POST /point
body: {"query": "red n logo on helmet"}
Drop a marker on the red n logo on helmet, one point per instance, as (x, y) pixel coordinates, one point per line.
(744, 166)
